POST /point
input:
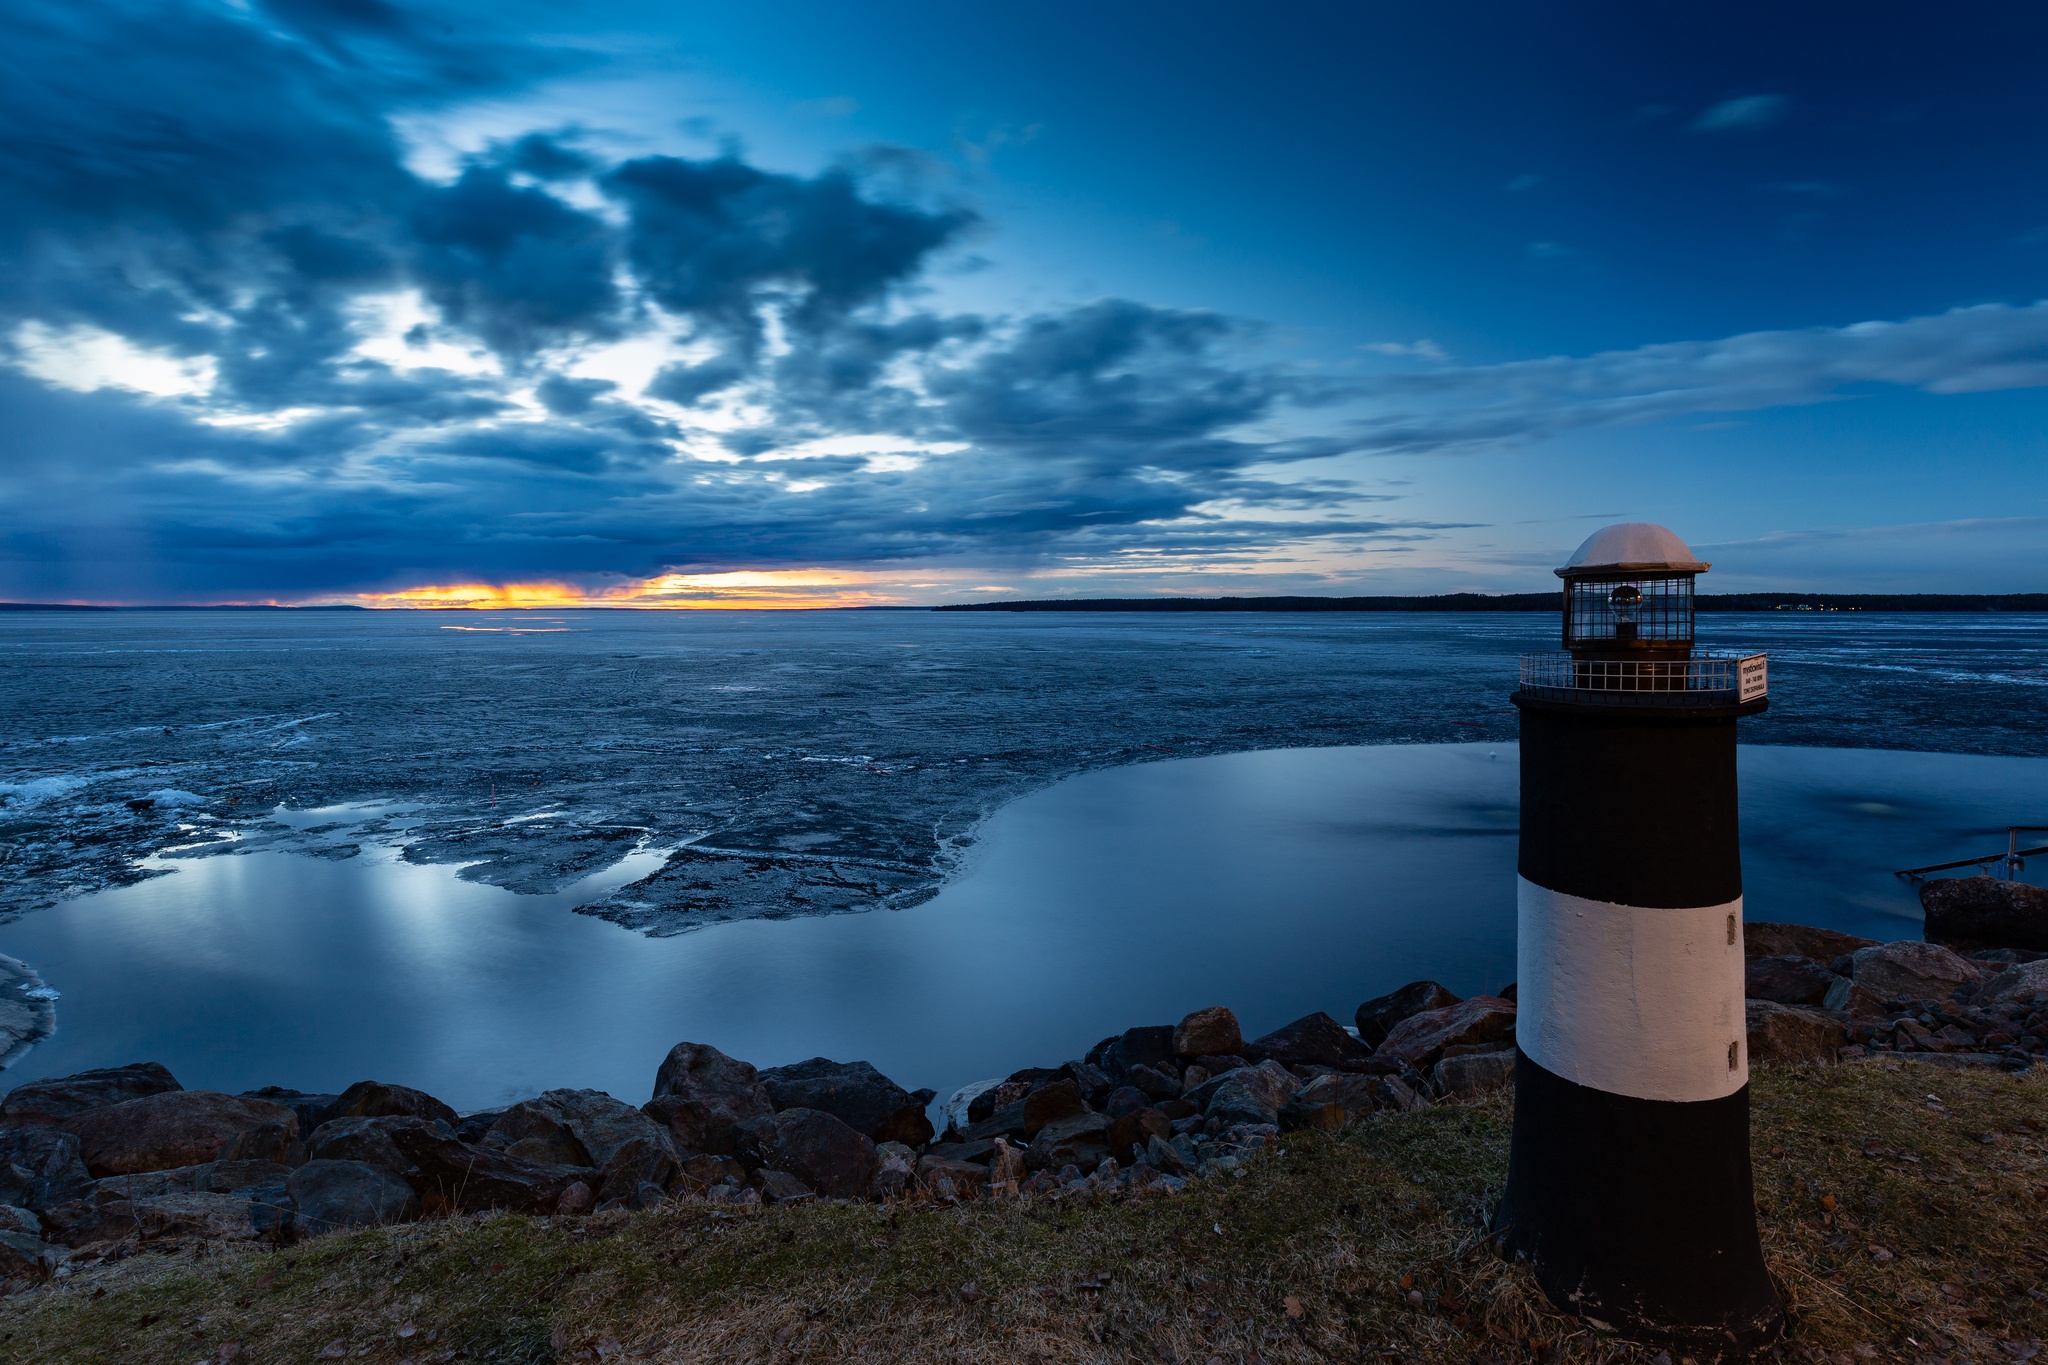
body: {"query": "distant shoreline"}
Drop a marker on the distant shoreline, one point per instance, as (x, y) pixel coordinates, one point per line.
(2033, 602)
(2016, 603)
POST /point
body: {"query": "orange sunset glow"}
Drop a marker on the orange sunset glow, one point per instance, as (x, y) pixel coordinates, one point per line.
(743, 589)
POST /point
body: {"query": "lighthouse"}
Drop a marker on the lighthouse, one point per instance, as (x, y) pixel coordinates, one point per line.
(1629, 1175)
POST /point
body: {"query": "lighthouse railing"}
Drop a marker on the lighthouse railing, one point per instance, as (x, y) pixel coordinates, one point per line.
(1708, 678)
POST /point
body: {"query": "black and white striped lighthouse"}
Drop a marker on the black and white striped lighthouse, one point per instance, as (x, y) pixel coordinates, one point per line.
(1629, 1178)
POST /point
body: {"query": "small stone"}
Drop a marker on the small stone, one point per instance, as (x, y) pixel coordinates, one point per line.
(577, 1198)
(333, 1350)
(970, 1292)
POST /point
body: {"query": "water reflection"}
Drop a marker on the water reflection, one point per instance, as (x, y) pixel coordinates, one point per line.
(1278, 882)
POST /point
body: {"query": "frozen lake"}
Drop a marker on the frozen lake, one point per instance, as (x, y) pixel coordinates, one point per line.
(1278, 882)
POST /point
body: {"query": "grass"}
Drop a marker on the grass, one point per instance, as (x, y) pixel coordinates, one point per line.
(1896, 1229)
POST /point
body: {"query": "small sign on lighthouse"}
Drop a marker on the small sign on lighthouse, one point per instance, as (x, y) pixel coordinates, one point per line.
(1756, 677)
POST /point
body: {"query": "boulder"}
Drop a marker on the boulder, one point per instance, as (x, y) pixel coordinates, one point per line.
(1147, 1046)
(47, 1103)
(233, 1177)
(1846, 997)
(1313, 1040)
(329, 1195)
(528, 1132)
(1356, 1095)
(1767, 938)
(1007, 1167)
(641, 1161)
(1127, 1099)
(101, 1216)
(25, 1257)
(1130, 1135)
(961, 1179)
(895, 1171)
(1210, 1032)
(1093, 1080)
(382, 1100)
(703, 1096)
(171, 1128)
(1911, 971)
(1252, 1094)
(48, 1162)
(601, 1124)
(1985, 912)
(2020, 984)
(1475, 1073)
(1420, 1039)
(1151, 1082)
(474, 1179)
(313, 1110)
(196, 1213)
(822, 1150)
(1787, 979)
(369, 1140)
(274, 1142)
(14, 1218)
(18, 1185)
(856, 1093)
(1059, 1100)
(780, 1187)
(1377, 1017)
(1793, 1033)
(955, 1110)
(1082, 1141)
(1165, 1156)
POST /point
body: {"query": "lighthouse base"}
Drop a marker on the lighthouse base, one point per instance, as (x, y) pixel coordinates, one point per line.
(1638, 1215)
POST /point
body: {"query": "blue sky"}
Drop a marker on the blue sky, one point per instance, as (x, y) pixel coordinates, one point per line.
(322, 300)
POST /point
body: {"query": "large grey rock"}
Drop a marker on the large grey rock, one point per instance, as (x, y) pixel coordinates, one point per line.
(703, 1098)
(1211, 1032)
(1788, 979)
(895, 1171)
(1768, 938)
(1377, 1017)
(313, 1110)
(640, 1161)
(602, 1124)
(175, 1128)
(854, 1092)
(47, 1103)
(474, 1179)
(1313, 1040)
(276, 1142)
(1356, 1095)
(382, 1100)
(1985, 912)
(822, 1150)
(330, 1195)
(1793, 1033)
(1252, 1094)
(1082, 1141)
(1053, 1102)
(194, 1213)
(26, 1257)
(2022, 984)
(51, 1163)
(1146, 1046)
(1419, 1040)
(1130, 1135)
(1858, 1002)
(1911, 971)
(369, 1140)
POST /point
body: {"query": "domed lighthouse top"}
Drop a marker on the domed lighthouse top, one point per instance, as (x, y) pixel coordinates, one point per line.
(1641, 546)
(1628, 594)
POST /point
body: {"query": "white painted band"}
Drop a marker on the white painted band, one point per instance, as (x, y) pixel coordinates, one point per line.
(1632, 1001)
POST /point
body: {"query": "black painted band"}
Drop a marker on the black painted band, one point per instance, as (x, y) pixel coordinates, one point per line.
(1631, 809)
(1639, 1213)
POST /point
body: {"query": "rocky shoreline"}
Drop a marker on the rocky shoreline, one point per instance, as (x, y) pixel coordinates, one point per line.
(106, 1163)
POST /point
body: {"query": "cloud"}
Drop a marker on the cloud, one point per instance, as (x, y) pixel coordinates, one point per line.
(1966, 350)
(1743, 114)
(1425, 349)
(248, 350)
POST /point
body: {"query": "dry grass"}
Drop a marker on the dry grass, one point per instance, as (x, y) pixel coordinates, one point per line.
(1310, 1257)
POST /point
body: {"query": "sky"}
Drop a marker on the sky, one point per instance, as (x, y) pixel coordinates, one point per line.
(812, 303)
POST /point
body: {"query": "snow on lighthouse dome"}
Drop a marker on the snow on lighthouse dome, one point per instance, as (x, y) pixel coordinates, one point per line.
(1641, 546)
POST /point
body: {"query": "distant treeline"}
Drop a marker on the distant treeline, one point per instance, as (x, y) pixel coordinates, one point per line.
(1539, 601)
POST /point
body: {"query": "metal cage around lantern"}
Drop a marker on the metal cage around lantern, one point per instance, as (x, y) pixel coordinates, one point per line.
(1629, 611)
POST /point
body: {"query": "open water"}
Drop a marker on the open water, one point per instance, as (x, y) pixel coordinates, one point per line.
(370, 831)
